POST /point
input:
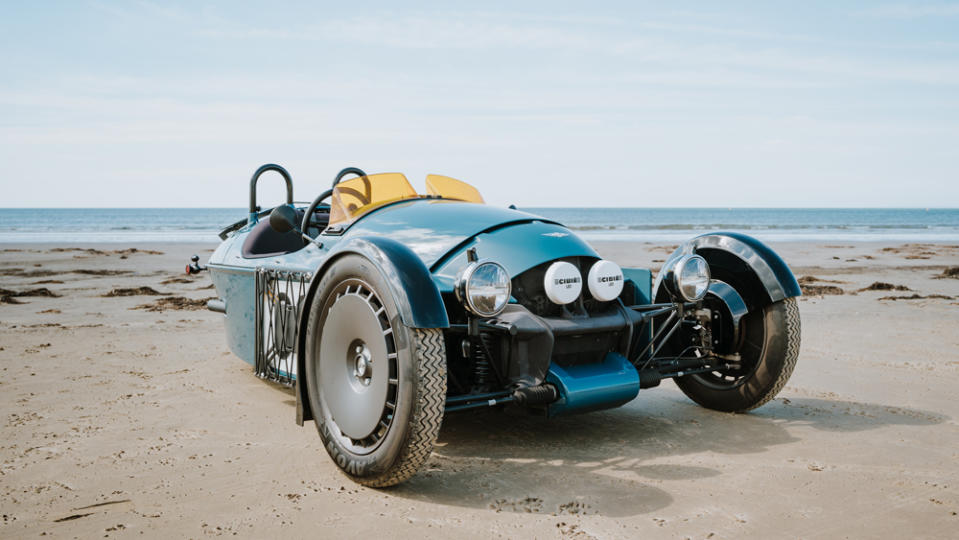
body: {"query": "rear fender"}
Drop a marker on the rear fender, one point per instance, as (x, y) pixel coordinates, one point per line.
(751, 267)
(416, 296)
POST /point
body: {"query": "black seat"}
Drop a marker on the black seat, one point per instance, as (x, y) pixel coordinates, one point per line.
(263, 241)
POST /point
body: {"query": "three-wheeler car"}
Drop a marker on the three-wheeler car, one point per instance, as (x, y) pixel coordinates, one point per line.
(388, 308)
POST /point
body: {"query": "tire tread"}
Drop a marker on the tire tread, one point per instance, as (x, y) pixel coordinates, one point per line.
(736, 402)
(428, 408)
(793, 338)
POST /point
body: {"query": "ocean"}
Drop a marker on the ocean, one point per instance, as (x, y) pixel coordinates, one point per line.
(130, 225)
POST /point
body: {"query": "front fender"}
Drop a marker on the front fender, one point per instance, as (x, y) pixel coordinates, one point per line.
(416, 296)
(736, 257)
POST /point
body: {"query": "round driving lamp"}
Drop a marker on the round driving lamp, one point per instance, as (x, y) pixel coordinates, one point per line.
(689, 277)
(484, 288)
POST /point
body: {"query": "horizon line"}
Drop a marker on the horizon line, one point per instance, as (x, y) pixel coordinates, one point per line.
(518, 207)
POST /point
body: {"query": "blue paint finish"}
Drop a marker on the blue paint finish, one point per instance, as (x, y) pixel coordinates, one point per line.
(517, 247)
(420, 246)
(235, 287)
(642, 281)
(402, 240)
(417, 298)
(592, 387)
(433, 227)
(235, 284)
(235, 280)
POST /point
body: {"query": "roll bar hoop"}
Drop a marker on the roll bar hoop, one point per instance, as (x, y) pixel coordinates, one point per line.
(256, 176)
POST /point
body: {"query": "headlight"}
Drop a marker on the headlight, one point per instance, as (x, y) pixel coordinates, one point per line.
(690, 277)
(484, 288)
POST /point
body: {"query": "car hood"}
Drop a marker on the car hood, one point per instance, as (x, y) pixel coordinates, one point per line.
(440, 232)
(431, 228)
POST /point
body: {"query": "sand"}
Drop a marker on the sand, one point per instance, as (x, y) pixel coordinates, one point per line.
(122, 421)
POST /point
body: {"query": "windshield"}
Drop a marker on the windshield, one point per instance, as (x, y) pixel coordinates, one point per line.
(354, 197)
(451, 188)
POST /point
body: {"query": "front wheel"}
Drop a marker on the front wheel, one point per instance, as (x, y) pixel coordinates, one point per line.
(770, 348)
(376, 386)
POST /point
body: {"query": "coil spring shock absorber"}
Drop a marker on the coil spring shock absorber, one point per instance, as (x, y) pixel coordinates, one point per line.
(481, 367)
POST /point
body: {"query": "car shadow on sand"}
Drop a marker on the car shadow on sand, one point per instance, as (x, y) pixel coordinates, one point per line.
(609, 463)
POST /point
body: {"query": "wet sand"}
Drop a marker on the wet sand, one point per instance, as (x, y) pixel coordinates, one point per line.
(124, 413)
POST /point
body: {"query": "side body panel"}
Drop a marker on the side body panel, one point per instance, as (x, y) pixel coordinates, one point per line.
(235, 287)
(235, 280)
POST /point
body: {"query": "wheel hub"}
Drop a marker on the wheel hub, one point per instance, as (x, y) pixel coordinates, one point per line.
(354, 374)
(362, 363)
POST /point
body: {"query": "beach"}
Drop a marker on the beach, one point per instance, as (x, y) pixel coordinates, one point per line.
(124, 413)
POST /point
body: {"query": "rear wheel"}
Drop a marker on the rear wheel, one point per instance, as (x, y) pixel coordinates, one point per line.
(377, 387)
(768, 353)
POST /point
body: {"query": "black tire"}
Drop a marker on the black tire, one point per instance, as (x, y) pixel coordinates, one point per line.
(770, 348)
(413, 359)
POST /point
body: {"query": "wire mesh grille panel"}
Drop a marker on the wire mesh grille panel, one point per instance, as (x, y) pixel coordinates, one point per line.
(279, 302)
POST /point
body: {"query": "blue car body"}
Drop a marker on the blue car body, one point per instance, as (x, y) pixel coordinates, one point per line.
(598, 356)
(388, 309)
(439, 233)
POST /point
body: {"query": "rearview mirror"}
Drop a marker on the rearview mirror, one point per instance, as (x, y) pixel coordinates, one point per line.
(283, 219)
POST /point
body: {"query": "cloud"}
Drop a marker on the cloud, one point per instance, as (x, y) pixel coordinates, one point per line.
(514, 101)
(638, 46)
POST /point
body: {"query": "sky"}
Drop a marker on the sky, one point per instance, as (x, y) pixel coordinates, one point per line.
(719, 104)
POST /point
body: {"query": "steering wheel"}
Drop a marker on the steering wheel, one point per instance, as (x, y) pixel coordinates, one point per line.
(316, 202)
